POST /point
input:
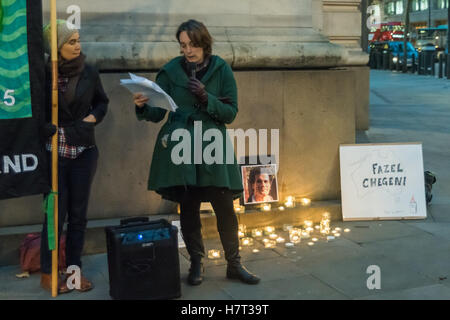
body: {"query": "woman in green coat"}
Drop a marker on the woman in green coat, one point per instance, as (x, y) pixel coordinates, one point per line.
(189, 162)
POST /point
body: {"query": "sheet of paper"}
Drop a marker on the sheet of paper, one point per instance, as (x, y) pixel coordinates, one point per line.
(157, 96)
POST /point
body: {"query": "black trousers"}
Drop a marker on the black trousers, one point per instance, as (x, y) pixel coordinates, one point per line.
(221, 200)
(75, 178)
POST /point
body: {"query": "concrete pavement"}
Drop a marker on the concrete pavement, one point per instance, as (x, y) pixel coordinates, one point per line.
(413, 256)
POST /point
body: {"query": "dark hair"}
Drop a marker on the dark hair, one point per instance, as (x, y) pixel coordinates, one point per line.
(259, 171)
(198, 34)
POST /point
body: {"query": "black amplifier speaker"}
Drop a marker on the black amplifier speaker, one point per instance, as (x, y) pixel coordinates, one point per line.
(143, 261)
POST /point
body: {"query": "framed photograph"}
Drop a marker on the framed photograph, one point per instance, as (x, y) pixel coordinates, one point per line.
(260, 183)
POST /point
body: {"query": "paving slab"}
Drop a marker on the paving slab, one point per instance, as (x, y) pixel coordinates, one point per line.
(432, 292)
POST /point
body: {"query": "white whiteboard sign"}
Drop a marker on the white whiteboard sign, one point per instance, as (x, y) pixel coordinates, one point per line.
(382, 181)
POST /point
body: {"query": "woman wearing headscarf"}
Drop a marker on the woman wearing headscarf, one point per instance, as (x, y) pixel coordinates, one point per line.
(82, 105)
(204, 89)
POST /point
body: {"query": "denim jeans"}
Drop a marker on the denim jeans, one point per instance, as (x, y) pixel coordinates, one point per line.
(75, 178)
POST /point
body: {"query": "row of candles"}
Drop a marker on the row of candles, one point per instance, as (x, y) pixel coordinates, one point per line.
(295, 235)
(289, 203)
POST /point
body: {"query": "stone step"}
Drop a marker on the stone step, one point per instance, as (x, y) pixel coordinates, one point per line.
(12, 237)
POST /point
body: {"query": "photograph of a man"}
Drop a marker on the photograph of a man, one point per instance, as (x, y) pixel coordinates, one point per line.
(260, 184)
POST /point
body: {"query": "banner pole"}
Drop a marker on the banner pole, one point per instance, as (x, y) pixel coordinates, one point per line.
(54, 59)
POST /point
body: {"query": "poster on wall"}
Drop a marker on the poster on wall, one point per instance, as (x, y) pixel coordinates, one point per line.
(382, 181)
(23, 163)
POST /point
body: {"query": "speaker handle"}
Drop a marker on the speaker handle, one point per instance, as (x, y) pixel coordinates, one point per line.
(124, 222)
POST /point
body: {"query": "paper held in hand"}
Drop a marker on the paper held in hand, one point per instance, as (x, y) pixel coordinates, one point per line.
(157, 96)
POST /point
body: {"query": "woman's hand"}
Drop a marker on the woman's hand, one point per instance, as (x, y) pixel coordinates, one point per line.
(90, 118)
(139, 99)
(198, 89)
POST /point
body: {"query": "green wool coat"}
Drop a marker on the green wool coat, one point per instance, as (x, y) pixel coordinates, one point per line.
(166, 176)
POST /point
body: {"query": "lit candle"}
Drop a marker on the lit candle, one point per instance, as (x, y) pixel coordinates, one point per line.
(305, 235)
(310, 243)
(256, 233)
(305, 201)
(317, 227)
(269, 230)
(214, 254)
(242, 230)
(265, 240)
(280, 239)
(295, 235)
(315, 239)
(266, 207)
(330, 238)
(247, 241)
(309, 229)
(337, 234)
(273, 236)
(287, 227)
(290, 202)
(337, 229)
(270, 244)
(308, 223)
(281, 208)
(255, 251)
(347, 230)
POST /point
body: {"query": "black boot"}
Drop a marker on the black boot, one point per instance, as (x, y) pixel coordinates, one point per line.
(235, 270)
(196, 270)
(196, 250)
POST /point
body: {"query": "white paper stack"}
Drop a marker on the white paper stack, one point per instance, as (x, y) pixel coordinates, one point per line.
(157, 96)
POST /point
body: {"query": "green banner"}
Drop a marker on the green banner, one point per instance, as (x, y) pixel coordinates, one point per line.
(15, 97)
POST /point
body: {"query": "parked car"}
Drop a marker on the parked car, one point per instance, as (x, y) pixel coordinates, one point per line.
(396, 48)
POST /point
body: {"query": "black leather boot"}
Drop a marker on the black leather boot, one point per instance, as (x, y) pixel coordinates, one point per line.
(196, 250)
(235, 270)
(196, 270)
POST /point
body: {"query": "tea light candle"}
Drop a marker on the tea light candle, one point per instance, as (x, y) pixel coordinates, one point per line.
(337, 234)
(214, 254)
(337, 229)
(329, 238)
(270, 244)
(310, 244)
(308, 223)
(290, 202)
(295, 238)
(269, 229)
(239, 209)
(287, 227)
(305, 201)
(280, 240)
(346, 230)
(281, 208)
(255, 250)
(305, 235)
(315, 239)
(266, 207)
(247, 241)
(317, 227)
(242, 230)
(309, 229)
(273, 236)
(256, 233)
(265, 240)
(289, 244)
